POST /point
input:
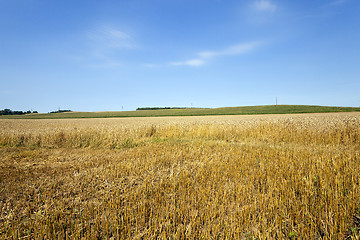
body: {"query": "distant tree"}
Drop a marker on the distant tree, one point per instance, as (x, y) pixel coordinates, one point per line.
(7, 112)
(159, 108)
(61, 111)
(10, 112)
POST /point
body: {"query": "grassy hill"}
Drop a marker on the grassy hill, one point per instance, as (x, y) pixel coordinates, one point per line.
(268, 109)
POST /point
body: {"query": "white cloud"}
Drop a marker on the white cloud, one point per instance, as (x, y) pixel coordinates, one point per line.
(233, 50)
(206, 55)
(106, 65)
(102, 46)
(326, 10)
(337, 2)
(264, 6)
(109, 37)
(191, 62)
(150, 65)
(332, 5)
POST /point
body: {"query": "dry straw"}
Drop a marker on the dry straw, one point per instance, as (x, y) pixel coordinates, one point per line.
(259, 177)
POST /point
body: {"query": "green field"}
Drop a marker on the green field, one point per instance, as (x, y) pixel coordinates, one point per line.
(248, 110)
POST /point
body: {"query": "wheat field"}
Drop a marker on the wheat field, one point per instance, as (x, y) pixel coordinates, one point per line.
(214, 177)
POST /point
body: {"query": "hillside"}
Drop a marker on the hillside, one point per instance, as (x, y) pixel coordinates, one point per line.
(247, 110)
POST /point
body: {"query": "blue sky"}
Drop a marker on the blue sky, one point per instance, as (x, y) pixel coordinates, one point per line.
(119, 55)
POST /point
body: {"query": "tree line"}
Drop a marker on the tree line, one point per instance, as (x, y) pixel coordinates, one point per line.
(10, 112)
(61, 111)
(159, 108)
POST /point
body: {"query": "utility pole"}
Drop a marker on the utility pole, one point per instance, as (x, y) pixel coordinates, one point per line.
(276, 101)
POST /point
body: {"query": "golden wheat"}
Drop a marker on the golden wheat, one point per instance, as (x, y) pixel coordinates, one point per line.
(230, 177)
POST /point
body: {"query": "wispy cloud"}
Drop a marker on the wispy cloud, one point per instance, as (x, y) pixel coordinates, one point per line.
(192, 62)
(336, 3)
(110, 64)
(110, 37)
(329, 9)
(150, 65)
(232, 50)
(264, 6)
(103, 44)
(204, 56)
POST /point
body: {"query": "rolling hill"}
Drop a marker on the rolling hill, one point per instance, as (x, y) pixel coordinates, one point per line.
(247, 110)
